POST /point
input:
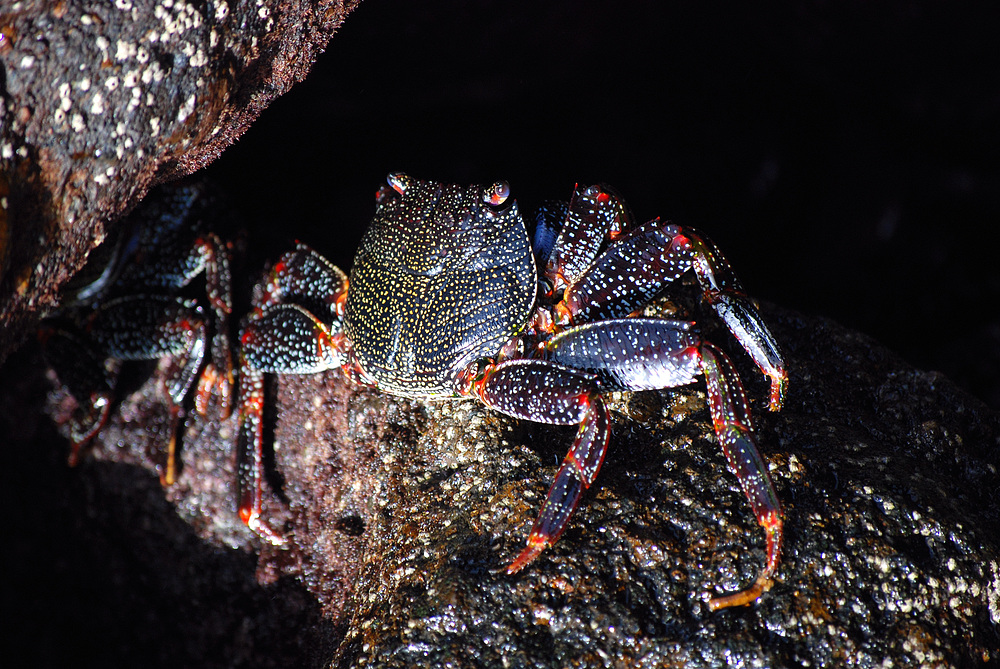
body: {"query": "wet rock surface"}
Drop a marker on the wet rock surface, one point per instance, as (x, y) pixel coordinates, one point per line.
(101, 101)
(401, 516)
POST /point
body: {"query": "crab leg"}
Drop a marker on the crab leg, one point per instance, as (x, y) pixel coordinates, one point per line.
(166, 225)
(283, 338)
(724, 292)
(593, 215)
(734, 429)
(218, 375)
(545, 392)
(635, 268)
(639, 354)
(152, 327)
(82, 371)
(286, 339)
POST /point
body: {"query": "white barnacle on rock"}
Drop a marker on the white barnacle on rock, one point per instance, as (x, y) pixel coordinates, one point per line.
(154, 124)
(125, 50)
(97, 104)
(65, 102)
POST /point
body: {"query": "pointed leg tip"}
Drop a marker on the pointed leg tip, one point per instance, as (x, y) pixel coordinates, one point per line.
(742, 597)
(779, 389)
(262, 529)
(534, 548)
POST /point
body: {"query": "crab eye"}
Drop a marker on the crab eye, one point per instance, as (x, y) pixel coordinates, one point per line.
(398, 181)
(496, 194)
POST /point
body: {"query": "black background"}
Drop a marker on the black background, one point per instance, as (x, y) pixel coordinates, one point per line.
(842, 155)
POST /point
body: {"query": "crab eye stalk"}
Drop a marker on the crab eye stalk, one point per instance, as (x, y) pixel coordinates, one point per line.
(496, 194)
(399, 181)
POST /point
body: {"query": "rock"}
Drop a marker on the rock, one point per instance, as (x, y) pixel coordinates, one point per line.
(401, 516)
(101, 101)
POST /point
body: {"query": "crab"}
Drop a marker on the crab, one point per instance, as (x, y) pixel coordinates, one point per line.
(449, 298)
(126, 305)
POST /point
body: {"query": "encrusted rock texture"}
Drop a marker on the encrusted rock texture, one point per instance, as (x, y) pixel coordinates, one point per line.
(99, 101)
(401, 516)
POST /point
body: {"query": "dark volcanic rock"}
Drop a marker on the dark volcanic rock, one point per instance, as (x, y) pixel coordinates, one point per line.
(401, 517)
(100, 101)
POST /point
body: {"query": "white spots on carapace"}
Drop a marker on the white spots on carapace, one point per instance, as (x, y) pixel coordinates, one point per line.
(154, 125)
(97, 104)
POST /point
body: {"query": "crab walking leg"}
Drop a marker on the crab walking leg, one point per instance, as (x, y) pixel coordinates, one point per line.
(81, 369)
(638, 265)
(306, 278)
(148, 328)
(734, 429)
(628, 274)
(592, 215)
(723, 291)
(250, 454)
(285, 339)
(644, 353)
(218, 377)
(545, 392)
(578, 471)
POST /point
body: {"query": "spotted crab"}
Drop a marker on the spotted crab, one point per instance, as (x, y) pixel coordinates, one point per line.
(449, 298)
(129, 304)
